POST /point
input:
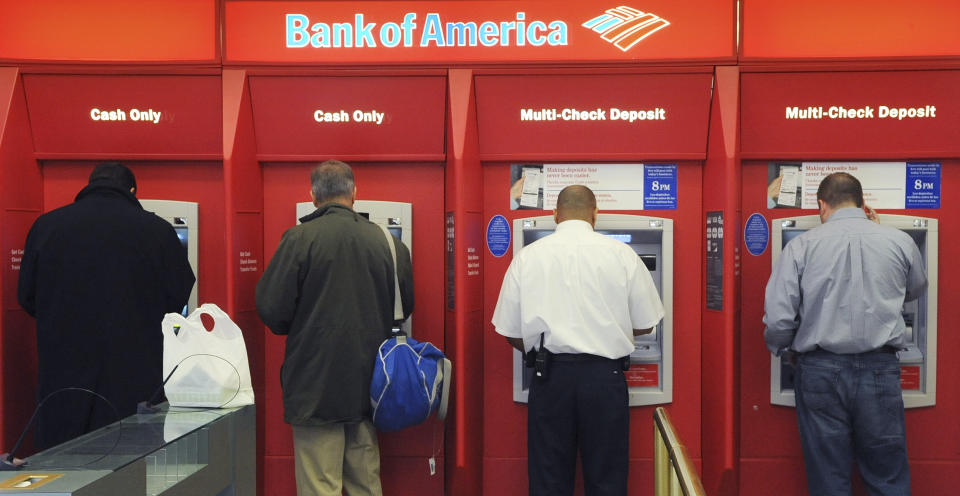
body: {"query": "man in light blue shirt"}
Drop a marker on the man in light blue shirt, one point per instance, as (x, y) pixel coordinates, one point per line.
(834, 305)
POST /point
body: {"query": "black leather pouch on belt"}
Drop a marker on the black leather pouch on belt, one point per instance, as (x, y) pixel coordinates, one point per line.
(541, 361)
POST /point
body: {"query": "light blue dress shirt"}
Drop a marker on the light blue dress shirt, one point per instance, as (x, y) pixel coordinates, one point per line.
(841, 286)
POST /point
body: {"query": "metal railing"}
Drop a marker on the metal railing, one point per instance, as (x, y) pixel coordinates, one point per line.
(673, 472)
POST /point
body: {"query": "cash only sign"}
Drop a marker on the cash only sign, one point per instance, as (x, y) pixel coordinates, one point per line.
(477, 31)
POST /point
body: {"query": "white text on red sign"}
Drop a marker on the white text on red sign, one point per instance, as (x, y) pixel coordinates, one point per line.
(599, 114)
(342, 116)
(866, 112)
(135, 115)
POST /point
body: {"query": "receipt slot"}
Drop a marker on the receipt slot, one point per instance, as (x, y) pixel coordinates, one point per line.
(396, 216)
(183, 217)
(650, 378)
(918, 363)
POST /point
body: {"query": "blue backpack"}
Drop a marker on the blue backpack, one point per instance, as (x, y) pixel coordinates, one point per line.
(410, 380)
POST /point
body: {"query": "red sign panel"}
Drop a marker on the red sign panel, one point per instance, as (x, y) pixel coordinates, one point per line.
(140, 115)
(643, 375)
(608, 116)
(910, 378)
(828, 29)
(109, 30)
(478, 31)
(850, 114)
(349, 116)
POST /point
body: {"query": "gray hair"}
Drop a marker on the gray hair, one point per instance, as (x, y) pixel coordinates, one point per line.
(330, 180)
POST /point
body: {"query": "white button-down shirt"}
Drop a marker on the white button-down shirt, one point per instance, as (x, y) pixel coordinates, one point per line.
(584, 291)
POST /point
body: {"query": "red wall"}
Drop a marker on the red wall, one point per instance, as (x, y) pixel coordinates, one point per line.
(110, 31)
(244, 224)
(828, 29)
(20, 204)
(403, 454)
(720, 327)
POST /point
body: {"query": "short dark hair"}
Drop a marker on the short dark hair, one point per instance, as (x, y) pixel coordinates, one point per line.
(330, 180)
(113, 173)
(576, 202)
(839, 188)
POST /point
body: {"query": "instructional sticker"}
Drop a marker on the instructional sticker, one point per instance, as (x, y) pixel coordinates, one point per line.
(498, 235)
(756, 234)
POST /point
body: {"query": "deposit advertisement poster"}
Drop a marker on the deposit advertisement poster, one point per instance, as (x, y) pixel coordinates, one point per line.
(616, 186)
(886, 185)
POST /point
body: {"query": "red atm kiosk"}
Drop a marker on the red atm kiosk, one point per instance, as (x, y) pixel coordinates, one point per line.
(58, 120)
(164, 127)
(894, 124)
(638, 139)
(891, 156)
(396, 148)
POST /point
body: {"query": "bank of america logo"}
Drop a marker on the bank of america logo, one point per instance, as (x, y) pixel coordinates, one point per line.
(626, 26)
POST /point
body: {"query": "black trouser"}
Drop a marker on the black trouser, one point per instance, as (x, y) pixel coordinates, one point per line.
(581, 405)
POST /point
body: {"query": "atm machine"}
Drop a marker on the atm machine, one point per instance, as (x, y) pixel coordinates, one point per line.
(650, 378)
(183, 217)
(396, 216)
(918, 363)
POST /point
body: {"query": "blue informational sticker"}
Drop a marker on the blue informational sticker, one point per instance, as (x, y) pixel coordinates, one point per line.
(498, 235)
(660, 187)
(923, 185)
(756, 234)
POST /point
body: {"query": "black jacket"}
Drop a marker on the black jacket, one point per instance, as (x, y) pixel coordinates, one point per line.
(330, 289)
(98, 275)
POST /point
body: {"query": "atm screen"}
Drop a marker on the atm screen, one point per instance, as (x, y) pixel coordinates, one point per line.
(622, 237)
(182, 234)
(789, 234)
(535, 234)
(184, 241)
(394, 230)
(627, 237)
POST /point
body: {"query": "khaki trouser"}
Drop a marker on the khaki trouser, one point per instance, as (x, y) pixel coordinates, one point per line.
(335, 457)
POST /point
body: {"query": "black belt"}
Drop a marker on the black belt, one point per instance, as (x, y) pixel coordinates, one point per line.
(581, 357)
(893, 350)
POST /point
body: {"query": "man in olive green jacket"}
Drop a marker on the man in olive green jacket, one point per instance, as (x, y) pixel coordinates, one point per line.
(330, 289)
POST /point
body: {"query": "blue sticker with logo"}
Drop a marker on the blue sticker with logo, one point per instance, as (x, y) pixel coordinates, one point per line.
(498, 235)
(660, 187)
(756, 234)
(923, 185)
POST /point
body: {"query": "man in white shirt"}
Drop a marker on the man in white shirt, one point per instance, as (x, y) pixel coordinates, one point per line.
(582, 297)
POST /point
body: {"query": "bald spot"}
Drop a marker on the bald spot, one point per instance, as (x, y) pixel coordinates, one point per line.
(576, 202)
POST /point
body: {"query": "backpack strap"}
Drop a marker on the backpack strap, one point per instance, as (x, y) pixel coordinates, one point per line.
(397, 300)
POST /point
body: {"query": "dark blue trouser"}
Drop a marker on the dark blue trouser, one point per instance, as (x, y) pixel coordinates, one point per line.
(849, 407)
(581, 405)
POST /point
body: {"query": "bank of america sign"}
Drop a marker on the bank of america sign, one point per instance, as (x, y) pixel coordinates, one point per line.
(625, 26)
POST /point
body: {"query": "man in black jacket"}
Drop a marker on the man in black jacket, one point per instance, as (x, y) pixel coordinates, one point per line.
(330, 289)
(99, 275)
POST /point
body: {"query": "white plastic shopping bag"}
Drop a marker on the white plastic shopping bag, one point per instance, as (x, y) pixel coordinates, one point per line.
(205, 368)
